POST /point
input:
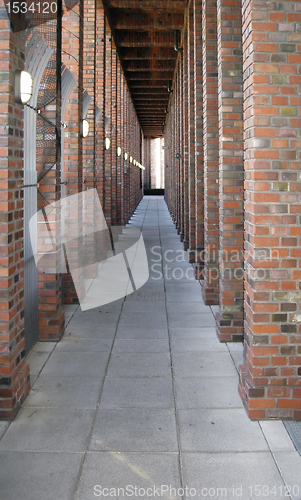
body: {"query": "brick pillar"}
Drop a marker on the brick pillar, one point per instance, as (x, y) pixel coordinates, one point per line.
(270, 375)
(108, 132)
(180, 153)
(14, 371)
(119, 161)
(114, 135)
(211, 142)
(100, 100)
(199, 153)
(191, 132)
(89, 73)
(72, 57)
(186, 137)
(229, 320)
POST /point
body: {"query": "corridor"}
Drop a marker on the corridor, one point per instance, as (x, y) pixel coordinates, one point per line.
(140, 395)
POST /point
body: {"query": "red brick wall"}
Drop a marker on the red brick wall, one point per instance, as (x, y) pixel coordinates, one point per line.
(271, 372)
(14, 371)
(229, 320)
(211, 159)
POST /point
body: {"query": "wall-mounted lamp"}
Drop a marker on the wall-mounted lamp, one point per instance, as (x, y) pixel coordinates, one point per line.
(131, 159)
(134, 162)
(126, 156)
(169, 89)
(119, 151)
(84, 128)
(23, 86)
(107, 143)
(176, 47)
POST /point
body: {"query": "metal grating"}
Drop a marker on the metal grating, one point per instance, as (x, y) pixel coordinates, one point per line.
(294, 430)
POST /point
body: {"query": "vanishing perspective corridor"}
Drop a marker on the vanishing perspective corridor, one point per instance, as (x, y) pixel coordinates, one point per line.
(140, 395)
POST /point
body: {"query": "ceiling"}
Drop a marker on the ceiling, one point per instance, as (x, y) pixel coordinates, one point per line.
(144, 33)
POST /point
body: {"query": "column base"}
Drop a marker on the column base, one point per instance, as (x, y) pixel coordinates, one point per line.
(199, 271)
(54, 329)
(229, 329)
(268, 402)
(191, 253)
(210, 295)
(12, 397)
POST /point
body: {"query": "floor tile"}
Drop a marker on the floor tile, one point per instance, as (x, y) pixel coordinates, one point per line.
(207, 364)
(52, 391)
(127, 470)
(141, 333)
(144, 365)
(193, 345)
(224, 430)
(142, 392)
(39, 476)
(141, 345)
(192, 320)
(289, 463)
(207, 392)
(134, 430)
(231, 475)
(36, 429)
(277, 436)
(68, 343)
(141, 319)
(185, 332)
(77, 363)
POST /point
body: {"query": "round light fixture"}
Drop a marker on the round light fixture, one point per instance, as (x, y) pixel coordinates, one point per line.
(107, 143)
(23, 86)
(85, 128)
(131, 159)
(126, 156)
(118, 151)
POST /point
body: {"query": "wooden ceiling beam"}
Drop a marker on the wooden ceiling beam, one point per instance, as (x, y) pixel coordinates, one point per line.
(149, 21)
(149, 54)
(148, 5)
(148, 39)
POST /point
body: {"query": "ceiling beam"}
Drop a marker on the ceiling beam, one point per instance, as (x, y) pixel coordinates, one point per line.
(149, 39)
(148, 5)
(150, 21)
(147, 53)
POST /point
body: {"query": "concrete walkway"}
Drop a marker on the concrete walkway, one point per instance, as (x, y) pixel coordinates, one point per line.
(139, 395)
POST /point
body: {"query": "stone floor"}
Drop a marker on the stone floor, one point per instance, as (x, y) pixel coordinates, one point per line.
(140, 396)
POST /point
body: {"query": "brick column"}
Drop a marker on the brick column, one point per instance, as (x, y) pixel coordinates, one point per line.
(100, 100)
(108, 114)
(270, 375)
(229, 320)
(72, 57)
(14, 371)
(199, 153)
(186, 136)
(211, 142)
(191, 132)
(114, 136)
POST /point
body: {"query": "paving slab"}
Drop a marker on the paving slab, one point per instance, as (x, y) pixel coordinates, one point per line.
(219, 430)
(37, 429)
(144, 365)
(142, 332)
(142, 392)
(206, 364)
(232, 475)
(145, 471)
(141, 345)
(72, 363)
(207, 392)
(134, 430)
(53, 391)
(39, 476)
